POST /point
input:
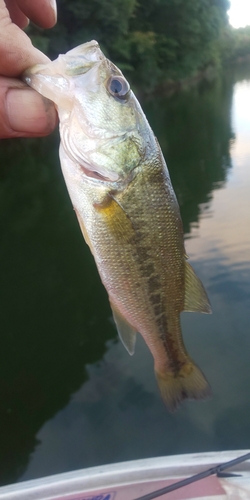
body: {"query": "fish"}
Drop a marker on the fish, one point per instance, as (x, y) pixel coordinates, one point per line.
(122, 195)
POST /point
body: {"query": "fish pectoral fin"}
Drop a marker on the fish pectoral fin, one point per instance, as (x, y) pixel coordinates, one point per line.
(196, 299)
(84, 231)
(126, 333)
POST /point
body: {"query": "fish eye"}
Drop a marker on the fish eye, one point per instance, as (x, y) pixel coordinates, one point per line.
(118, 87)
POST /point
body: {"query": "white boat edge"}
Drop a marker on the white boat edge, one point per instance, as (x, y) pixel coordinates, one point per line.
(109, 477)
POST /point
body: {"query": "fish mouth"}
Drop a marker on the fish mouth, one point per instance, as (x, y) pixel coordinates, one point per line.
(52, 80)
(80, 59)
(75, 62)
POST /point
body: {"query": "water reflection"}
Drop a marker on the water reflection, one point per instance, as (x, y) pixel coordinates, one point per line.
(52, 304)
(194, 130)
(70, 396)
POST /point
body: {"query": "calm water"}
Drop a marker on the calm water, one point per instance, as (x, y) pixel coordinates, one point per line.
(70, 395)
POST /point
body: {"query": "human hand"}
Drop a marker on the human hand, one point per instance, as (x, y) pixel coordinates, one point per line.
(23, 112)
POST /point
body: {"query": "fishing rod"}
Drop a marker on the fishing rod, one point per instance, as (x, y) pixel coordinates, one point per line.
(218, 469)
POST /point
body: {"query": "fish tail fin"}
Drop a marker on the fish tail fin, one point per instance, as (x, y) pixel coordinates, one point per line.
(188, 383)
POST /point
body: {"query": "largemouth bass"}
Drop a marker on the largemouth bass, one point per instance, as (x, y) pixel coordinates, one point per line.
(127, 210)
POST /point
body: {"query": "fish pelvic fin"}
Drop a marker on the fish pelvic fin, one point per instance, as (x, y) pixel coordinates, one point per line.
(126, 332)
(196, 299)
(188, 383)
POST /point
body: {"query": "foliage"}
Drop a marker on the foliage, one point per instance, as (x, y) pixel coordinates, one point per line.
(152, 42)
(235, 44)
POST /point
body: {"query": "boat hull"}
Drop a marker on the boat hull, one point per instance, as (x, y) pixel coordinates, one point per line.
(134, 479)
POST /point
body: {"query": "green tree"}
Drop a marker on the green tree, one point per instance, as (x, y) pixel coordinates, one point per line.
(151, 41)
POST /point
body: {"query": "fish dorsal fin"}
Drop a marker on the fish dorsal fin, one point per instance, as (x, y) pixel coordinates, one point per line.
(196, 299)
(126, 333)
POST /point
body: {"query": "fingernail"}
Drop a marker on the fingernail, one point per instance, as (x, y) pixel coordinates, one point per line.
(54, 7)
(29, 112)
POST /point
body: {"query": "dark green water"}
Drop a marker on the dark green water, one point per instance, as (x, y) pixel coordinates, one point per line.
(70, 395)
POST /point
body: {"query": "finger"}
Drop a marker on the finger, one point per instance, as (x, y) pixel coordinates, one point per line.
(41, 12)
(16, 50)
(16, 15)
(24, 112)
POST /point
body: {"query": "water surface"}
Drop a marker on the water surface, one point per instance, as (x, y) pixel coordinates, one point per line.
(70, 395)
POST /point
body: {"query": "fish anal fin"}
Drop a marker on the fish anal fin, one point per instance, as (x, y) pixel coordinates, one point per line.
(196, 299)
(188, 383)
(126, 332)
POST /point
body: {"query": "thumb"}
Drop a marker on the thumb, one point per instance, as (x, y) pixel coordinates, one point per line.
(24, 112)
